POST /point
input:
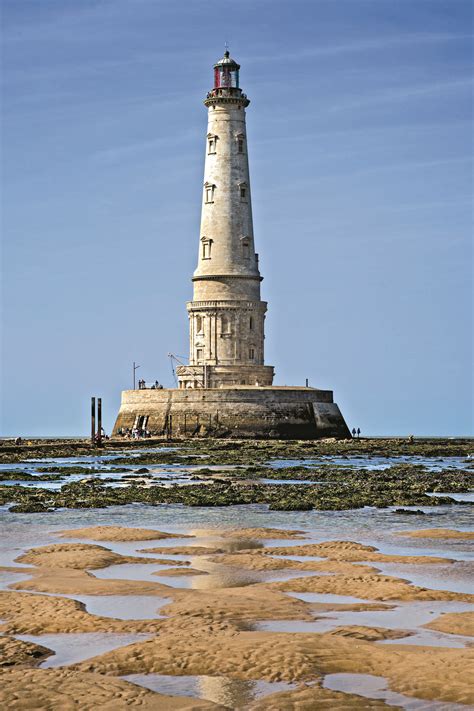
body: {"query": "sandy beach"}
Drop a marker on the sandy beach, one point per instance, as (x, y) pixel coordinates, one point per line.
(203, 630)
(255, 577)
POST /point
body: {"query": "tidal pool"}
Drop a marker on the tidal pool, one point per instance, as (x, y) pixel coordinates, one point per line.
(376, 687)
(232, 693)
(76, 647)
(123, 607)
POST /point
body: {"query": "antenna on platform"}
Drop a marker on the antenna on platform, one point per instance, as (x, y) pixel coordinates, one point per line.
(174, 359)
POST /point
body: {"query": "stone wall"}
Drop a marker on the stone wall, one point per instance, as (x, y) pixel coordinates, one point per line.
(268, 412)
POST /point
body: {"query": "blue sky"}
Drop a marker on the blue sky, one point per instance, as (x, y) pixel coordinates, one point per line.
(360, 153)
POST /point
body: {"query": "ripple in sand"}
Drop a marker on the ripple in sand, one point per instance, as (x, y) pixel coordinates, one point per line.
(232, 693)
(77, 647)
(376, 687)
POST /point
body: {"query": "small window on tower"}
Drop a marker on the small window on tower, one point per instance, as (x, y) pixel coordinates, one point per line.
(225, 324)
(251, 323)
(251, 353)
(245, 248)
(209, 192)
(243, 192)
(199, 324)
(211, 144)
(240, 144)
(206, 248)
(199, 354)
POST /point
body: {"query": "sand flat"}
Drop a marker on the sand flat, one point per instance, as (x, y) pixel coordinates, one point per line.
(118, 533)
(454, 623)
(204, 630)
(438, 533)
(65, 689)
(78, 556)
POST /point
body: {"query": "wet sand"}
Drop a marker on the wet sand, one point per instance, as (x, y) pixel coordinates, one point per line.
(118, 533)
(211, 633)
(439, 533)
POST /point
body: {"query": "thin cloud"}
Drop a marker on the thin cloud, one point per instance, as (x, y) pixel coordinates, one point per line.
(366, 45)
(403, 93)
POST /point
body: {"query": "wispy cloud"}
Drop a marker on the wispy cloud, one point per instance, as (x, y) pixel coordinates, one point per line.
(366, 45)
(403, 93)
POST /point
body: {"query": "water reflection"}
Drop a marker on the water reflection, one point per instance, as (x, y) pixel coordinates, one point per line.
(231, 693)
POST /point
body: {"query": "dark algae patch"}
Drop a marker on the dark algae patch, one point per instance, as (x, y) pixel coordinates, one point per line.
(401, 485)
(242, 465)
(20, 475)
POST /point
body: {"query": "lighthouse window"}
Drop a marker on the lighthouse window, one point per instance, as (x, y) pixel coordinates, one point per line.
(199, 328)
(251, 353)
(251, 323)
(246, 249)
(209, 192)
(212, 144)
(243, 192)
(225, 324)
(240, 144)
(199, 354)
(206, 248)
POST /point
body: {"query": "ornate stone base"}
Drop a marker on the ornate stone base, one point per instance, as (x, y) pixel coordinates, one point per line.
(239, 412)
(219, 376)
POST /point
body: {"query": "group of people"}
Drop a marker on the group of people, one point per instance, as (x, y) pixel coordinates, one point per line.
(143, 386)
(99, 436)
(356, 432)
(134, 433)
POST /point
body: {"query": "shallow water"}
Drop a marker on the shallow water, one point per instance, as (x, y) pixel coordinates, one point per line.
(457, 577)
(73, 648)
(462, 496)
(376, 687)
(232, 693)
(123, 607)
(180, 473)
(372, 462)
(216, 576)
(132, 571)
(407, 616)
(368, 526)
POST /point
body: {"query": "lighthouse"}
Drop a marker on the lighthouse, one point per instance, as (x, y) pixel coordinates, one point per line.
(226, 315)
(225, 389)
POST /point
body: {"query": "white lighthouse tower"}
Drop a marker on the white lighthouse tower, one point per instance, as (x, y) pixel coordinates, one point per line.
(226, 315)
(226, 390)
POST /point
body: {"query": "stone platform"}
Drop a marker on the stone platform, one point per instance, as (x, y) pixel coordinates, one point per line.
(241, 412)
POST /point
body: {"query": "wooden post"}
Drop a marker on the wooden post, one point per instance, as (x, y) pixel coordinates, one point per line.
(92, 420)
(99, 420)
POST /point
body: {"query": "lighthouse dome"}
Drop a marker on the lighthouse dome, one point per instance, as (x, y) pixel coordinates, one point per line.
(227, 61)
(226, 73)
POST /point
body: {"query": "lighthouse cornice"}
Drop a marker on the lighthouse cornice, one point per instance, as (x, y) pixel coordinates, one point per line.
(221, 97)
(214, 277)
